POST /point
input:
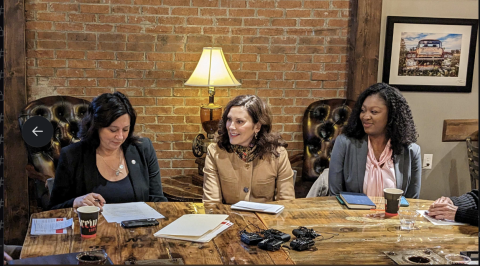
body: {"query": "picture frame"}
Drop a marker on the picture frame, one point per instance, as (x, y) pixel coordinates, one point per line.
(430, 54)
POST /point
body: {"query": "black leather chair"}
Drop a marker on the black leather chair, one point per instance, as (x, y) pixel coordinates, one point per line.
(323, 121)
(472, 152)
(65, 113)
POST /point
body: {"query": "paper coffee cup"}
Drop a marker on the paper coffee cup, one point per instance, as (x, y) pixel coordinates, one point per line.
(88, 219)
(392, 201)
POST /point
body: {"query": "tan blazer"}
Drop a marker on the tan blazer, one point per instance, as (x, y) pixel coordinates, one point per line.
(228, 178)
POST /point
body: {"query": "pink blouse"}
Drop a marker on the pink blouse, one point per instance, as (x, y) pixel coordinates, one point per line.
(379, 174)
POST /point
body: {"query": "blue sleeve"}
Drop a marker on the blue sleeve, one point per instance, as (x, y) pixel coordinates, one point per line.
(336, 181)
(413, 189)
(155, 182)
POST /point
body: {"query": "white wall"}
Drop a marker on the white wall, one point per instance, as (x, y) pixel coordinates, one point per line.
(449, 175)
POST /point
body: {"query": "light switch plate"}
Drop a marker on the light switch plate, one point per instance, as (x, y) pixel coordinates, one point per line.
(427, 161)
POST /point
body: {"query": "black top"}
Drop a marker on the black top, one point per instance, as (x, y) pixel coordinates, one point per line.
(467, 204)
(120, 191)
(77, 175)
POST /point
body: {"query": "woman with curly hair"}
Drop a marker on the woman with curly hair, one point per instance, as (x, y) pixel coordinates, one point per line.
(248, 162)
(377, 149)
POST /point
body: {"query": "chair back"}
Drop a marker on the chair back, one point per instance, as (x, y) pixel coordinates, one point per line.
(322, 123)
(472, 152)
(65, 113)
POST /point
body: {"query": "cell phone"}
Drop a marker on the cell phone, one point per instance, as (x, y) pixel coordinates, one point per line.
(139, 223)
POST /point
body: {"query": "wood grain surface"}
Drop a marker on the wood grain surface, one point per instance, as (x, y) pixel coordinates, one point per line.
(351, 238)
(459, 129)
(348, 236)
(16, 183)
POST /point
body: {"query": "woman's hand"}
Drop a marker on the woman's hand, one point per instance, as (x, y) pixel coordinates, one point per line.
(443, 211)
(90, 199)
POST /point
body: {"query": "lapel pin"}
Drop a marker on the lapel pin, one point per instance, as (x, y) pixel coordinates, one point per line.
(133, 162)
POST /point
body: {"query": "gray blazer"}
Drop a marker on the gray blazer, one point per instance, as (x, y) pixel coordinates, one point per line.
(348, 163)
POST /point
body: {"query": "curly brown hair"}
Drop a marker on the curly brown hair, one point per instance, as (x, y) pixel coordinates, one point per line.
(266, 141)
(400, 126)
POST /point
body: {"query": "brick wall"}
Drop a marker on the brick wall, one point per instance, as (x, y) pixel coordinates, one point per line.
(288, 52)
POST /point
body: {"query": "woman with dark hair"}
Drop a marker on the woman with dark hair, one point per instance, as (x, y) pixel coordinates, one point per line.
(110, 164)
(248, 162)
(377, 149)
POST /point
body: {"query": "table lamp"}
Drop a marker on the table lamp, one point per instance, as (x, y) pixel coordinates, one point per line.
(211, 71)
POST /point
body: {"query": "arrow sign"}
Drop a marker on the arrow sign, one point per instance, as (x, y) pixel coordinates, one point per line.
(35, 131)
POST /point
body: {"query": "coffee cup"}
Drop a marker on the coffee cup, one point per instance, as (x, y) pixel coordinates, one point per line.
(392, 201)
(88, 219)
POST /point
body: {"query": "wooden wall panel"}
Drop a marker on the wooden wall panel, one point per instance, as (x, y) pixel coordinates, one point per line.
(459, 129)
(364, 43)
(16, 214)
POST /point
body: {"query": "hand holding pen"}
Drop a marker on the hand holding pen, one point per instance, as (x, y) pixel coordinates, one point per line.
(90, 199)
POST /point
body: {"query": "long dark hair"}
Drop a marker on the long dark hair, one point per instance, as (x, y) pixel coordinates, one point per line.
(259, 111)
(103, 110)
(400, 126)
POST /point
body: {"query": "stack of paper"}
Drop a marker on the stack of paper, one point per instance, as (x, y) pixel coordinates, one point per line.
(434, 221)
(50, 226)
(257, 207)
(116, 213)
(195, 227)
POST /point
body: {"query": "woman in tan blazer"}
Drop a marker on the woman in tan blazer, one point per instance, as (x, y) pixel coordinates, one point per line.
(248, 162)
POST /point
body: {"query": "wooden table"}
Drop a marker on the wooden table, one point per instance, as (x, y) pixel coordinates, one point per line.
(356, 239)
(361, 240)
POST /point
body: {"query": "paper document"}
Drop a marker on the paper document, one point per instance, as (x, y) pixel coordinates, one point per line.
(257, 207)
(50, 226)
(209, 235)
(193, 224)
(438, 222)
(118, 212)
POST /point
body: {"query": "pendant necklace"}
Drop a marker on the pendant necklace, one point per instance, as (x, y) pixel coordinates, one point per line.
(120, 167)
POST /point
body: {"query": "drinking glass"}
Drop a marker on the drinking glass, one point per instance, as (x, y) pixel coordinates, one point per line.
(407, 219)
(457, 259)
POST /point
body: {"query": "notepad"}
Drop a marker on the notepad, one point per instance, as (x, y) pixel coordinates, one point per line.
(404, 202)
(118, 212)
(257, 207)
(438, 222)
(195, 227)
(357, 201)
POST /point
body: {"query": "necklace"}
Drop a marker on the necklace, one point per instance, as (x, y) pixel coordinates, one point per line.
(120, 167)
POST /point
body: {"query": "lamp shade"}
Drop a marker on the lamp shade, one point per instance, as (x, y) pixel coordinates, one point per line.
(212, 70)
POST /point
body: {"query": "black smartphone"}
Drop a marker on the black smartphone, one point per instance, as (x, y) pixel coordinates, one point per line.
(139, 223)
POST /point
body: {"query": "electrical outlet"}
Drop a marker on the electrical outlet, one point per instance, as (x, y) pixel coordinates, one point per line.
(427, 161)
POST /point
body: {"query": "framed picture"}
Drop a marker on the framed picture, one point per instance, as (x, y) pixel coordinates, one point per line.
(430, 54)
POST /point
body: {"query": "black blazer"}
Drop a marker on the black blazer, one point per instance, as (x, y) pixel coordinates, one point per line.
(77, 173)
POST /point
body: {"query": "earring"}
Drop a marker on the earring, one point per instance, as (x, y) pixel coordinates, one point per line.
(256, 133)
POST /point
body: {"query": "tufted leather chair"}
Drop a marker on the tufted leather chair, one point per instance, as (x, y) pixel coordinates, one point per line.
(323, 121)
(65, 113)
(472, 152)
